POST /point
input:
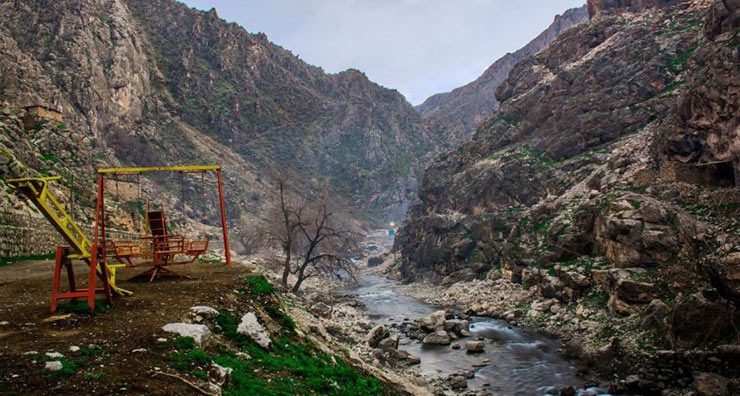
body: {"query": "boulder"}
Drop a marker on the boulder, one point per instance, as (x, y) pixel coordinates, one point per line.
(389, 343)
(626, 296)
(376, 335)
(474, 346)
(698, 319)
(457, 381)
(250, 326)
(432, 322)
(437, 338)
(200, 333)
(655, 315)
(709, 384)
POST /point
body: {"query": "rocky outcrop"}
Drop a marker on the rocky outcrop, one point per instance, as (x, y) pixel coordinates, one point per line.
(604, 185)
(597, 7)
(460, 111)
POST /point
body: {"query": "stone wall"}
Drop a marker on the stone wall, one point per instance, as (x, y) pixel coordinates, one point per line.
(25, 233)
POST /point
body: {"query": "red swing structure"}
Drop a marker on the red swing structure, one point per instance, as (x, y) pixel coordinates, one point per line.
(103, 256)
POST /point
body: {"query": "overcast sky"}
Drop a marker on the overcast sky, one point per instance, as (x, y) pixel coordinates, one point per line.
(419, 47)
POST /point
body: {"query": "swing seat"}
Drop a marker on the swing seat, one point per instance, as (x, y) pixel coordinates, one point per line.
(197, 247)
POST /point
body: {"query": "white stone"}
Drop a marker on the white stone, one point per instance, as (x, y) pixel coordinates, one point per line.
(74, 348)
(199, 333)
(252, 327)
(138, 350)
(204, 311)
(219, 373)
(54, 355)
(53, 365)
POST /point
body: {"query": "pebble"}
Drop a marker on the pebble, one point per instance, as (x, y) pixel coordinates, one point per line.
(54, 355)
(74, 348)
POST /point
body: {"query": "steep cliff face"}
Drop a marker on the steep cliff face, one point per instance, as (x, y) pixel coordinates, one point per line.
(154, 82)
(596, 7)
(610, 169)
(460, 111)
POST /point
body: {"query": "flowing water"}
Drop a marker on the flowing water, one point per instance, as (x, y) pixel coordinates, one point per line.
(516, 361)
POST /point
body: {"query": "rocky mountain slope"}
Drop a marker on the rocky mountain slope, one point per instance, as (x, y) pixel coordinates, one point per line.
(146, 83)
(607, 184)
(460, 111)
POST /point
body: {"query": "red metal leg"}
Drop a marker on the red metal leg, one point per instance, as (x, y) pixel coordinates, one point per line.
(223, 218)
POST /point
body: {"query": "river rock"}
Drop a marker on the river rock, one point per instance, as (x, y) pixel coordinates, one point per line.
(200, 333)
(251, 326)
(437, 338)
(457, 381)
(568, 391)
(377, 334)
(389, 343)
(406, 357)
(474, 346)
(433, 322)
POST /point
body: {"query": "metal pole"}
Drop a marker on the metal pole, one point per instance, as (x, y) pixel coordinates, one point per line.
(223, 217)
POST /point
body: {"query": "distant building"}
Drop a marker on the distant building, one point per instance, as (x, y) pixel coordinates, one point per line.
(33, 113)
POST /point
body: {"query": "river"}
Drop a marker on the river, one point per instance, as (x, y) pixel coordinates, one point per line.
(516, 361)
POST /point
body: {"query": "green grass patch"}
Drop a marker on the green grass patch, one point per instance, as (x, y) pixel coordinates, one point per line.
(9, 260)
(258, 286)
(79, 306)
(292, 366)
(183, 343)
(94, 374)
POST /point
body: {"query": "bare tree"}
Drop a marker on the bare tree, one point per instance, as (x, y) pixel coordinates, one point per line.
(311, 239)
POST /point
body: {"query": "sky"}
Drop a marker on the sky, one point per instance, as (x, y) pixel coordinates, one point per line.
(418, 47)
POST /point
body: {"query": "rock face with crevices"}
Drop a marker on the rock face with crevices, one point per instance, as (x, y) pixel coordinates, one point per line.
(607, 182)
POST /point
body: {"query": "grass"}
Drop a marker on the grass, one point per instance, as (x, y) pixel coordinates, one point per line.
(79, 306)
(258, 286)
(293, 366)
(183, 343)
(13, 259)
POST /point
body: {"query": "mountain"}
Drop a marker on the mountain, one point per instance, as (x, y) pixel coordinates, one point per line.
(149, 83)
(459, 112)
(606, 182)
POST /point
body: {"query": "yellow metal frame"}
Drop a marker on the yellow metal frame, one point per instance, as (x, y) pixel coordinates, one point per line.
(36, 189)
(194, 168)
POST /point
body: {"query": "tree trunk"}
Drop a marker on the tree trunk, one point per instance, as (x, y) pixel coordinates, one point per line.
(286, 269)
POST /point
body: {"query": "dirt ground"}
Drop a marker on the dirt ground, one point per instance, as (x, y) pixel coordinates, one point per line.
(119, 352)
